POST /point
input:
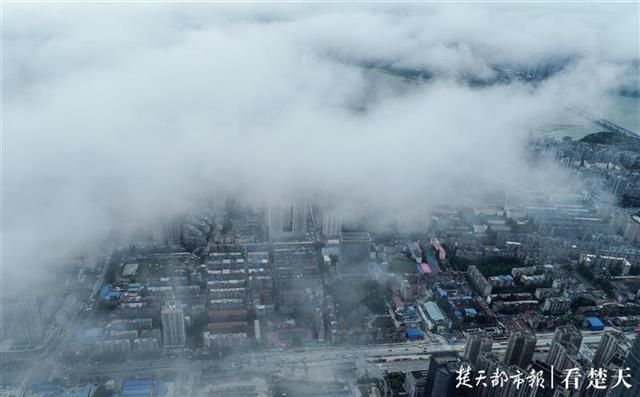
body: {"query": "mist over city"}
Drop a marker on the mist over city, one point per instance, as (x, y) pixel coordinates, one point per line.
(307, 199)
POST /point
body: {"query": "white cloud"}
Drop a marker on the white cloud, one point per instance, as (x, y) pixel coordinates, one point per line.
(117, 114)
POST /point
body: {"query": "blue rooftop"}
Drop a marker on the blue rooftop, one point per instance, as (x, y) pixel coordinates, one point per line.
(108, 293)
(46, 387)
(136, 388)
(413, 333)
(595, 323)
(104, 291)
(84, 392)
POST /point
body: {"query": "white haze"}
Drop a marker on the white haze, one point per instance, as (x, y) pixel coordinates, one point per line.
(117, 114)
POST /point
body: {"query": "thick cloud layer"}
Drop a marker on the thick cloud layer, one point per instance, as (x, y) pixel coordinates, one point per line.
(117, 114)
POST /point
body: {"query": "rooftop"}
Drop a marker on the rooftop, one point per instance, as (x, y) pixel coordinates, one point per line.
(434, 311)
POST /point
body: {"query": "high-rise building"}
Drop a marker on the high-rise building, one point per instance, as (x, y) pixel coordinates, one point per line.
(478, 281)
(564, 347)
(354, 254)
(561, 358)
(415, 383)
(300, 219)
(478, 342)
(173, 329)
(331, 224)
(550, 379)
(513, 388)
(172, 230)
(441, 367)
(520, 349)
(569, 336)
(613, 347)
(444, 380)
(632, 362)
(487, 362)
(287, 220)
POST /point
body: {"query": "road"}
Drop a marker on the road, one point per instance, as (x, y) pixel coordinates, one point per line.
(261, 361)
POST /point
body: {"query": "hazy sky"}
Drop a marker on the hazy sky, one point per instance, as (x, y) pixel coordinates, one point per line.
(117, 114)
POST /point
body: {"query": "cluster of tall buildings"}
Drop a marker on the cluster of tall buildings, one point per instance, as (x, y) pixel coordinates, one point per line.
(286, 221)
(614, 355)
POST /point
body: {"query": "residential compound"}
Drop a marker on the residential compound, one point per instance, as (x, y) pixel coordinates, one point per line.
(542, 281)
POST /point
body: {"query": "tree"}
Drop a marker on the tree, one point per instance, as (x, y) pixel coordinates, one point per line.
(582, 302)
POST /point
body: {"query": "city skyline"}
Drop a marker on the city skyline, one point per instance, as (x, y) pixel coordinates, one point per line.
(320, 199)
